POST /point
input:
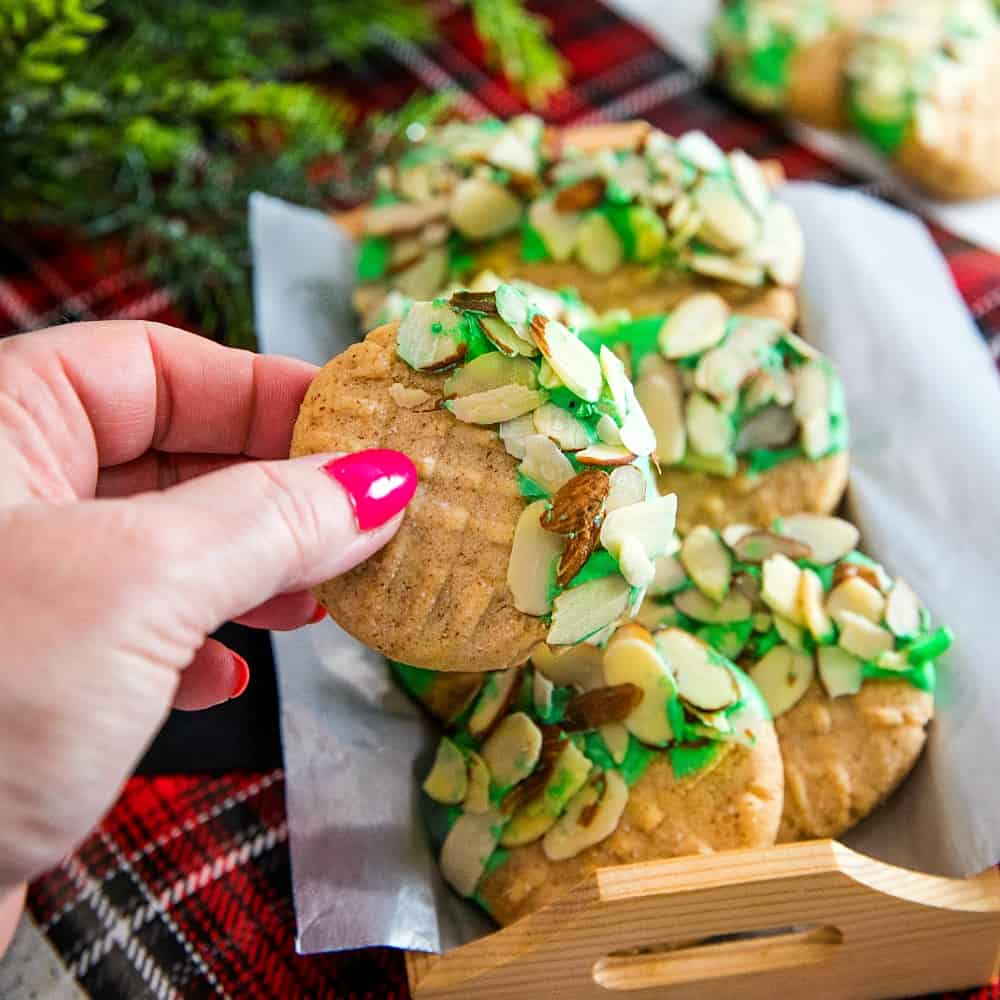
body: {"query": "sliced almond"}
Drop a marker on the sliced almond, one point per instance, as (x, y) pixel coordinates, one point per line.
(636, 432)
(652, 615)
(758, 546)
(496, 405)
(791, 634)
(409, 398)
(840, 672)
(727, 269)
(769, 387)
(621, 136)
(783, 676)
(702, 680)
(576, 666)
(811, 599)
(608, 431)
(602, 706)
(893, 659)
(780, 587)
(668, 575)
(634, 564)
(569, 357)
(481, 209)
(544, 464)
(513, 153)
(817, 436)
(448, 780)
(662, 399)
(616, 738)
(697, 324)
(403, 216)
(547, 378)
(558, 229)
(490, 371)
(542, 691)
(588, 192)
(722, 371)
(598, 247)
(512, 749)
(532, 555)
(751, 181)
(701, 152)
(591, 816)
(514, 308)
(467, 849)
(786, 245)
(709, 429)
(423, 279)
(605, 454)
(515, 432)
(862, 637)
(650, 522)
(829, 538)
(567, 432)
(857, 596)
(496, 694)
(707, 562)
(769, 428)
(902, 610)
(581, 611)
(873, 575)
(505, 338)
(477, 798)
(762, 621)
(693, 603)
(419, 343)
(727, 223)
(635, 661)
(626, 486)
(812, 390)
(732, 534)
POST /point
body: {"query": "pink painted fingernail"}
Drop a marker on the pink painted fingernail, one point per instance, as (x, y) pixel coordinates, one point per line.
(242, 675)
(318, 615)
(378, 482)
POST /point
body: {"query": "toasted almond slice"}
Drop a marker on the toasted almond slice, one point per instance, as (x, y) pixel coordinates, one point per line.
(576, 666)
(598, 247)
(542, 691)
(758, 546)
(477, 798)
(605, 454)
(513, 153)
(481, 209)
(781, 587)
(697, 324)
(709, 429)
(785, 245)
(723, 370)
(627, 486)
(403, 216)
(512, 749)
(874, 575)
(490, 371)
(567, 432)
(702, 680)
(591, 816)
(532, 556)
(727, 269)
(557, 229)
(566, 776)
(732, 534)
(707, 562)
(615, 737)
(857, 596)
(515, 432)
(902, 610)
(751, 181)
(811, 599)
(662, 399)
(448, 779)
(496, 405)
(701, 152)
(620, 136)
(505, 338)
(635, 661)
(495, 695)
(812, 390)
(693, 603)
(569, 357)
(829, 538)
(783, 676)
(772, 427)
(467, 849)
(862, 637)
(652, 615)
(408, 398)
(579, 195)
(420, 347)
(545, 464)
(668, 575)
(424, 279)
(727, 223)
(602, 706)
(650, 522)
(581, 611)
(840, 672)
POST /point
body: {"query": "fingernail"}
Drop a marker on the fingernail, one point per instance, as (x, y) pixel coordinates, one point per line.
(318, 615)
(242, 676)
(378, 482)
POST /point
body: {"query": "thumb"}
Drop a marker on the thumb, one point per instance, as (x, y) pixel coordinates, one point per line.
(237, 537)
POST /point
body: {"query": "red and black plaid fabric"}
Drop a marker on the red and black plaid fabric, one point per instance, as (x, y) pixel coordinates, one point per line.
(185, 889)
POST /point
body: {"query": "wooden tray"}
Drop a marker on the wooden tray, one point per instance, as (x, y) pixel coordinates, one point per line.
(799, 920)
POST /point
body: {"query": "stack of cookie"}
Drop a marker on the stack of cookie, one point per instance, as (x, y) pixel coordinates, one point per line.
(913, 77)
(610, 690)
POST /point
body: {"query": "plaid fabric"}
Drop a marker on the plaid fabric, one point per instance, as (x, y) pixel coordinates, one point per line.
(184, 890)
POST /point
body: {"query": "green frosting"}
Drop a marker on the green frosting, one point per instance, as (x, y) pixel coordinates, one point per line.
(688, 760)
(600, 564)
(373, 258)
(533, 247)
(414, 681)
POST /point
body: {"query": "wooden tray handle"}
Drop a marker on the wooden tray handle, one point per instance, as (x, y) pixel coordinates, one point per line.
(805, 918)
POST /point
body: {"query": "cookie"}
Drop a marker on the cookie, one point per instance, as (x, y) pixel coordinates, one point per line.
(622, 212)
(749, 418)
(602, 757)
(535, 516)
(843, 654)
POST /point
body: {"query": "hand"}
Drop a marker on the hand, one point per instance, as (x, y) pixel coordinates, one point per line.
(132, 525)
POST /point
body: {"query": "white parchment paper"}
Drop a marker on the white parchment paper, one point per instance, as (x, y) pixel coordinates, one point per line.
(924, 402)
(681, 27)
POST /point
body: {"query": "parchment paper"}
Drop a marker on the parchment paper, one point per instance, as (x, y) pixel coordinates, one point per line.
(925, 409)
(681, 27)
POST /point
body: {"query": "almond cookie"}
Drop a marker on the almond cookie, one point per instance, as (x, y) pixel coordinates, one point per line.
(653, 747)
(749, 418)
(843, 655)
(535, 516)
(622, 212)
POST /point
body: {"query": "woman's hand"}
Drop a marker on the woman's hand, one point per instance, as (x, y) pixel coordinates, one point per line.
(131, 527)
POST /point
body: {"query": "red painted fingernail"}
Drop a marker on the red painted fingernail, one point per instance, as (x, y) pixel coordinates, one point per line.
(378, 482)
(242, 675)
(318, 615)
